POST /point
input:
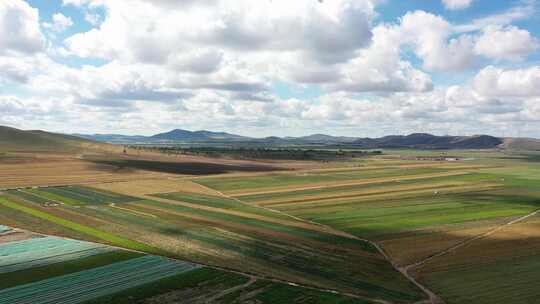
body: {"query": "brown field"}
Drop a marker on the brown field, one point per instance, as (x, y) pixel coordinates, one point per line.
(151, 186)
(406, 249)
(511, 242)
(62, 171)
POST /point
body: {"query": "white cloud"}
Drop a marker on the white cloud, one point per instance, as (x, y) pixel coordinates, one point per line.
(213, 63)
(525, 9)
(151, 32)
(380, 68)
(508, 43)
(457, 4)
(59, 23)
(92, 18)
(499, 83)
(19, 28)
(430, 36)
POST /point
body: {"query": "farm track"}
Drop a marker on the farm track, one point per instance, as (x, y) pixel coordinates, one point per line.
(113, 205)
(271, 210)
(469, 241)
(251, 276)
(433, 298)
(226, 292)
(297, 224)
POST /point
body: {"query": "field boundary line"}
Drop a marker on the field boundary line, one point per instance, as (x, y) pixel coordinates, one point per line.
(264, 208)
(351, 183)
(470, 240)
(252, 276)
(433, 298)
(113, 205)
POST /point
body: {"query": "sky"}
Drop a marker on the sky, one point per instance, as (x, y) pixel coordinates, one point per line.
(271, 67)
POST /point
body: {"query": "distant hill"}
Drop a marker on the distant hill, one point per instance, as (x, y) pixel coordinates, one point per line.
(184, 135)
(525, 144)
(12, 139)
(412, 141)
(325, 139)
(177, 135)
(428, 141)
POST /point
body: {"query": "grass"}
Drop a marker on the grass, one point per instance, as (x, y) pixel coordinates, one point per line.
(201, 280)
(54, 197)
(283, 294)
(300, 232)
(86, 195)
(377, 218)
(280, 180)
(107, 237)
(513, 281)
(203, 283)
(219, 202)
(326, 191)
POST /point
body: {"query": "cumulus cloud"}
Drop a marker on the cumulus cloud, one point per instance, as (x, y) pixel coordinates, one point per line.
(506, 43)
(497, 82)
(59, 23)
(19, 28)
(457, 4)
(430, 35)
(213, 64)
(327, 31)
(525, 9)
(92, 18)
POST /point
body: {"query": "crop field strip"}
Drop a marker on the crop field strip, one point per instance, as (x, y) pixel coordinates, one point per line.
(397, 183)
(501, 268)
(70, 195)
(445, 216)
(90, 284)
(252, 248)
(299, 265)
(442, 208)
(231, 185)
(78, 228)
(41, 251)
(340, 183)
(44, 172)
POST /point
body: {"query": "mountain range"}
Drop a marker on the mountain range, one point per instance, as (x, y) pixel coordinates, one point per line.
(415, 140)
(11, 138)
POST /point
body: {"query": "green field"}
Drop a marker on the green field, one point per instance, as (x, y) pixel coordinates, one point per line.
(309, 227)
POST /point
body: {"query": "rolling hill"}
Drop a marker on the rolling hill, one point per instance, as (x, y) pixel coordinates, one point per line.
(12, 139)
(527, 144)
(428, 141)
(412, 141)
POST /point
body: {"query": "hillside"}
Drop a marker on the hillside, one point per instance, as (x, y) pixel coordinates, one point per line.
(428, 141)
(12, 139)
(412, 141)
(524, 144)
(184, 135)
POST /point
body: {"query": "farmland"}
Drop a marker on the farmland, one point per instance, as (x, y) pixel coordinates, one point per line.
(46, 269)
(380, 229)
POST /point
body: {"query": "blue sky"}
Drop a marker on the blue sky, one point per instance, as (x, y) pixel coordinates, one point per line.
(342, 67)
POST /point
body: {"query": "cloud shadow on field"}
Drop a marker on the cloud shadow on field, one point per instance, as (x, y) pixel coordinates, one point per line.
(190, 168)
